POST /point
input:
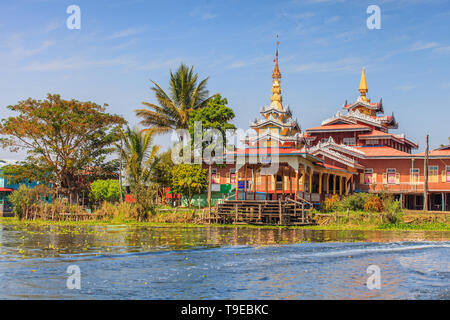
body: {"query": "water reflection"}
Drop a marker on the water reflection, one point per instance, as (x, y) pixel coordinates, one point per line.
(133, 262)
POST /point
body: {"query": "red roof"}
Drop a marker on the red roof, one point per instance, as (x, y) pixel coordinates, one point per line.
(375, 133)
(339, 127)
(382, 152)
(6, 190)
(436, 152)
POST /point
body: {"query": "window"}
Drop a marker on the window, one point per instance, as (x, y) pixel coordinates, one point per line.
(349, 141)
(368, 176)
(391, 175)
(414, 175)
(433, 173)
(372, 141)
(447, 173)
(233, 176)
(215, 176)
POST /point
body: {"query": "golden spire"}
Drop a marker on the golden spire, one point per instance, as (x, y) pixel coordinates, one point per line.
(363, 89)
(276, 99)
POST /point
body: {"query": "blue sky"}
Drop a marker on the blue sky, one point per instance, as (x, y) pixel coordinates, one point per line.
(324, 45)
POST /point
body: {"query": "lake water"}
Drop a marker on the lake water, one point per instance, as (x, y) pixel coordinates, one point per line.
(125, 262)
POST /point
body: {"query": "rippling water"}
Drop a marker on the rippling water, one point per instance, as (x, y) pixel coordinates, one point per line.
(124, 262)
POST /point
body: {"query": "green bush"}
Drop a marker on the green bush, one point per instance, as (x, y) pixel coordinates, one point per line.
(22, 200)
(105, 190)
(354, 202)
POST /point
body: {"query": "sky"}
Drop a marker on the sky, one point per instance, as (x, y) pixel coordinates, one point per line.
(122, 45)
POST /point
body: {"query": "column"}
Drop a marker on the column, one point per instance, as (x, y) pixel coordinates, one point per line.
(266, 181)
(320, 183)
(334, 184)
(340, 185)
(237, 185)
(245, 182)
(328, 183)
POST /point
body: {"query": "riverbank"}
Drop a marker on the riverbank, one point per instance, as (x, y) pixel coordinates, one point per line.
(428, 226)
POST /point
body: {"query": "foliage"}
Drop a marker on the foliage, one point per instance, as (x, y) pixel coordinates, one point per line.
(185, 95)
(138, 155)
(392, 208)
(354, 202)
(25, 172)
(162, 169)
(24, 198)
(374, 204)
(68, 138)
(105, 190)
(331, 204)
(189, 180)
(216, 115)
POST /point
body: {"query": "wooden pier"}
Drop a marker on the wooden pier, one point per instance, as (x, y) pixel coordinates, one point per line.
(265, 212)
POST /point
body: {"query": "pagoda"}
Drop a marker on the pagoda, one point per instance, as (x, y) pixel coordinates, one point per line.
(276, 128)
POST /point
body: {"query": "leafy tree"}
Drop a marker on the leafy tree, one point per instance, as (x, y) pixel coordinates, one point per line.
(162, 171)
(189, 180)
(24, 198)
(174, 108)
(215, 115)
(67, 138)
(105, 190)
(25, 172)
(138, 155)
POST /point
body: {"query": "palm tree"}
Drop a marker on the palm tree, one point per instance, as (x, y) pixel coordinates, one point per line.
(139, 156)
(174, 108)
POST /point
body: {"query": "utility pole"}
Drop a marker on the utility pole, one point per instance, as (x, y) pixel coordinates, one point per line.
(425, 184)
(209, 187)
(120, 174)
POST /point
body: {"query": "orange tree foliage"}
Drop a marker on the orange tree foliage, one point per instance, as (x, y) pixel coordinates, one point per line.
(67, 137)
(374, 204)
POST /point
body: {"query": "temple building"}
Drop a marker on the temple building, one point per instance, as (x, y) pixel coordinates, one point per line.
(353, 151)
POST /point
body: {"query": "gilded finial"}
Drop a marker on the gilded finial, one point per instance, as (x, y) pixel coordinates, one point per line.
(363, 89)
(276, 99)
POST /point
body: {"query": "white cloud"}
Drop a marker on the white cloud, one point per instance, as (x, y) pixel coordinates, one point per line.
(420, 45)
(345, 64)
(126, 33)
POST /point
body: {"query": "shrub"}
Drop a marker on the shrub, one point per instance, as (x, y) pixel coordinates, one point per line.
(22, 200)
(105, 190)
(354, 202)
(331, 204)
(373, 204)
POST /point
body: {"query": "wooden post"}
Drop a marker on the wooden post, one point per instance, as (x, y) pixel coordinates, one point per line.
(259, 211)
(254, 183)
(304, 179)
(340, 185)
(282, 181)
(267, 185)
(425, 185)
(235, 212)
(303, 212)
(311, 172)
(334, 184)
(443, 201)
(245, 182)
(237, 185)
(320, 182)
(290, 182)
(280, 210)
(296, 183)
(328, 183)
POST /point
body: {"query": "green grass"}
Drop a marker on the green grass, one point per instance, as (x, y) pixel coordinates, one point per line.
(432, 226)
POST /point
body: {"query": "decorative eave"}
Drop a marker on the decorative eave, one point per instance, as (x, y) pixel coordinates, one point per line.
(270, 136)
(330, 143)
(361, 103)
(339, 157)
(291, 123)
(286, 110)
